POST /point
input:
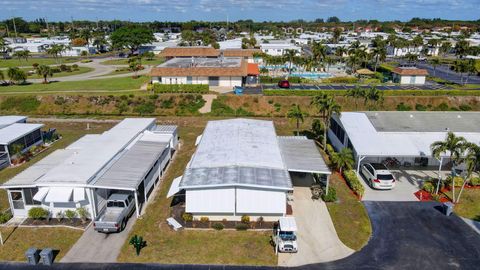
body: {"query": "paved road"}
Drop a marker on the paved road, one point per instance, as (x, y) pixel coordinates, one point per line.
(444, 72)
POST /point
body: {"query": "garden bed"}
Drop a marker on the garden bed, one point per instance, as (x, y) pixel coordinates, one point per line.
(75, 222)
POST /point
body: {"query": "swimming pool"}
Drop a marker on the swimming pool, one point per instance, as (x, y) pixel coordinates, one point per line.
(311, 75)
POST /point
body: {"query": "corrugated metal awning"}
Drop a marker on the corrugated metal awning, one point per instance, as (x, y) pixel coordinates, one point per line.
(41, 193)
(301, 155)
(59, 195)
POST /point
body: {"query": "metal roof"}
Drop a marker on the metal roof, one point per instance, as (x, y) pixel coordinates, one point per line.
(131, 168)
(238, 142)
(168, 129)
(12, 132)
(11, 119)
(268, 178)
(301, 155)
(30, 175)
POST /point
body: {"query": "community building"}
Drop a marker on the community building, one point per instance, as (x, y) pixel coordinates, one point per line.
(409, 75)
(405, 136)
(129, 158)
(241, 167)
(16, 137)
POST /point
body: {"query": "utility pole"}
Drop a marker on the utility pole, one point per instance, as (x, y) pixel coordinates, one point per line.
(48, 29)
(14, 27)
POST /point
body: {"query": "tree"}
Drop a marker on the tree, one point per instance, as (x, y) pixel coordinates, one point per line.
(16, 75)
(372, 95)
(326, 106)
(411, 58)
(461, 67)
(2, 76)
(337, 32)
(445, 48)
(44, 71)
(22, 54)
(455, 147)
(462, 48)
(290, 55)
(343, 159)
(333, 19)
(135, 65)
(434, 62)
(472, 162)
(131, 37)
(356, 93)
(296, 114)
(379, 54)
(56, 50)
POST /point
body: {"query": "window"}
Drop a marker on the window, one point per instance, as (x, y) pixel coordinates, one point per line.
(29, 193)
(337, 130)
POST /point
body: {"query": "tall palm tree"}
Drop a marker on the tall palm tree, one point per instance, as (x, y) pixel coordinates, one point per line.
(343, 159)
(372, 95)
(326, 106)
(44, 71)
(461, 67)
(445, 48)
(340, 52)
(319, 51)
(16, 75)
(296, 114)
(289, 56)
(472, 162)
(411, 58)
(434, 62)
(379, 54)
(329, 61)
(461, 48)
(454, 146)
(356, 93)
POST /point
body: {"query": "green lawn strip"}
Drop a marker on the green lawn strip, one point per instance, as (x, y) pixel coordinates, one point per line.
(469, 205)
(20, 239)
(349, 216)
(192, 246)
(80, 70)
(110, 84)
(14, 62)
(124, 61)
(70, 132)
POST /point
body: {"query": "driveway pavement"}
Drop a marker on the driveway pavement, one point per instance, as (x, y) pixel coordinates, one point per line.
(444, 72)
(98, 247)
(317, 238)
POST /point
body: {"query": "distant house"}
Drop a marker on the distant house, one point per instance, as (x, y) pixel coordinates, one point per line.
(277, 48)
(409, 75)
(188, 52)
(16, 136)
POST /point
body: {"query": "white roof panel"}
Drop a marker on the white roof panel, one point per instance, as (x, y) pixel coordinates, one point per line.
(78, 194)
(11, 119)
(288, 224)
(59, 195)
(41, 193)
(175, 187)
(12, 132)
(301, 155)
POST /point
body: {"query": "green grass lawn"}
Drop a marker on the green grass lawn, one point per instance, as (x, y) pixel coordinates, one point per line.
(469, 205)
(349, 216)
(80, 70)
(70, 132)
(14, 62)
(192, 246)
(110, 84)
(18, 240)
(117, 72)
(124, 61)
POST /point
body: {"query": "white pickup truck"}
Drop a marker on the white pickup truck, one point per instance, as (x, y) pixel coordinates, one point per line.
(284, 235)
(114, 218)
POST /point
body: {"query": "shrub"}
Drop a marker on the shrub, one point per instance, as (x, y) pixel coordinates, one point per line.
(83, 213)
(260, 220)
(457, 180)
(70, 214)
(341, 80)
(24, 104)
(181, 88)
(145, 108)
(241, 227)
(442, 107)
(245, 219)
(35, 65)
(187, 217)
(218, 226)
(204, 219)
(353, 181)
(331, 196)
(153, 97)
(63, 67)
(167, 103)
(420, 107)
(38, 213)
(428, 187)
(5, 216)
(465, 107)
(475, 181)
(86, 61)
(403, 107)
(75, 66)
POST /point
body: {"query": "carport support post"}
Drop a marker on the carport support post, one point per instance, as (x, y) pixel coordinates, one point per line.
(136, 203)
(439, 174)
(360, 158)
(328, 181)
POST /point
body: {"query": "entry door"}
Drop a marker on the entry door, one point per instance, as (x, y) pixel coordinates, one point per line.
(18, 202)
(213, 81)
(412, 79)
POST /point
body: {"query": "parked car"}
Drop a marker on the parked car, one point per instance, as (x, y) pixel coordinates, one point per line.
(114, 218)
(284, 84)
(378, 176)
(285, 235)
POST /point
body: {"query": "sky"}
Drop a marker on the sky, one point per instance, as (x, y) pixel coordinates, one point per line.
(220, 10)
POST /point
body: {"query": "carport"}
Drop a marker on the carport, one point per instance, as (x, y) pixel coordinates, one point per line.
(301, 155)
(137, 171)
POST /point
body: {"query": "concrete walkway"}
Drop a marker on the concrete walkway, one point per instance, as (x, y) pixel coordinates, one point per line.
(317, 238)
(207, 107)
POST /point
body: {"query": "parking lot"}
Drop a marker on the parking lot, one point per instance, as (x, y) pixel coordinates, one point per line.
(408, 181)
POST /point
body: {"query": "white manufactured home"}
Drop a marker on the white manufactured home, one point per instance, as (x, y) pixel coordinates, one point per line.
(128, 158)
(241, 167)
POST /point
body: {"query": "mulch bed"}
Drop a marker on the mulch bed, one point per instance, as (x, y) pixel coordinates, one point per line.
(424, 196)
(76, 222)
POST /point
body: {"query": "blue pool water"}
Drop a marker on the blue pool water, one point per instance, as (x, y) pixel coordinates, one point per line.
(311, 75)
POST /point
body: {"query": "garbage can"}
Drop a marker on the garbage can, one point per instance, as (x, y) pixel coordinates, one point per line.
(47, 256)
(32, 256)
(448, 208)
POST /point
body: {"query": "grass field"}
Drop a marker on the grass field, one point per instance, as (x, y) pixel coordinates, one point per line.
(14, 62)
(124, 61)
(110, 84)
(80, 70)
(349, 216)
(469, 205)
(18, 240)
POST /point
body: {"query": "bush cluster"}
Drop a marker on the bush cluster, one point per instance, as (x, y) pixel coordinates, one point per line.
(475, 181)
(245, 219)
(218, 226)
(353, 181)
(331, 196)
(180, 88)
(38, 213)
(187, 217)
(20, 104)
(270, 79)
(5, 216)
(458, 181)
(241, 227)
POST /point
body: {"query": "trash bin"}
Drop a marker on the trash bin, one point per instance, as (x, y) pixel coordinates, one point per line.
(47, 256)
(448, 208)
(32, 256)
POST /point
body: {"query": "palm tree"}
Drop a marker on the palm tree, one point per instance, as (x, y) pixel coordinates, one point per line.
(379, 54)
(356, 93)
(461, 48)
(340, 51)
(434, 62)
(326, 106)
(296, 114)
(472, 162)
(44, 71)
(343, 159)
(455, 147)
(2, 76)
(16, 75)
(373, 95)
(56, 50)
(461, 67)
(329, 61)
(319, 52)
(445, 48)
(290, 55)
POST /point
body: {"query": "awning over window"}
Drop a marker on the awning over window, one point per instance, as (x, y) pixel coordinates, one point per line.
(301, 155)
(59, 195)
(175, 187)
(78, 194)
(41, 193)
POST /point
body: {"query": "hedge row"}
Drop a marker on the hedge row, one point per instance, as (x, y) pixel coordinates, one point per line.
(271, 92)
(180, 88)
(353, 181)
(340, 80)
